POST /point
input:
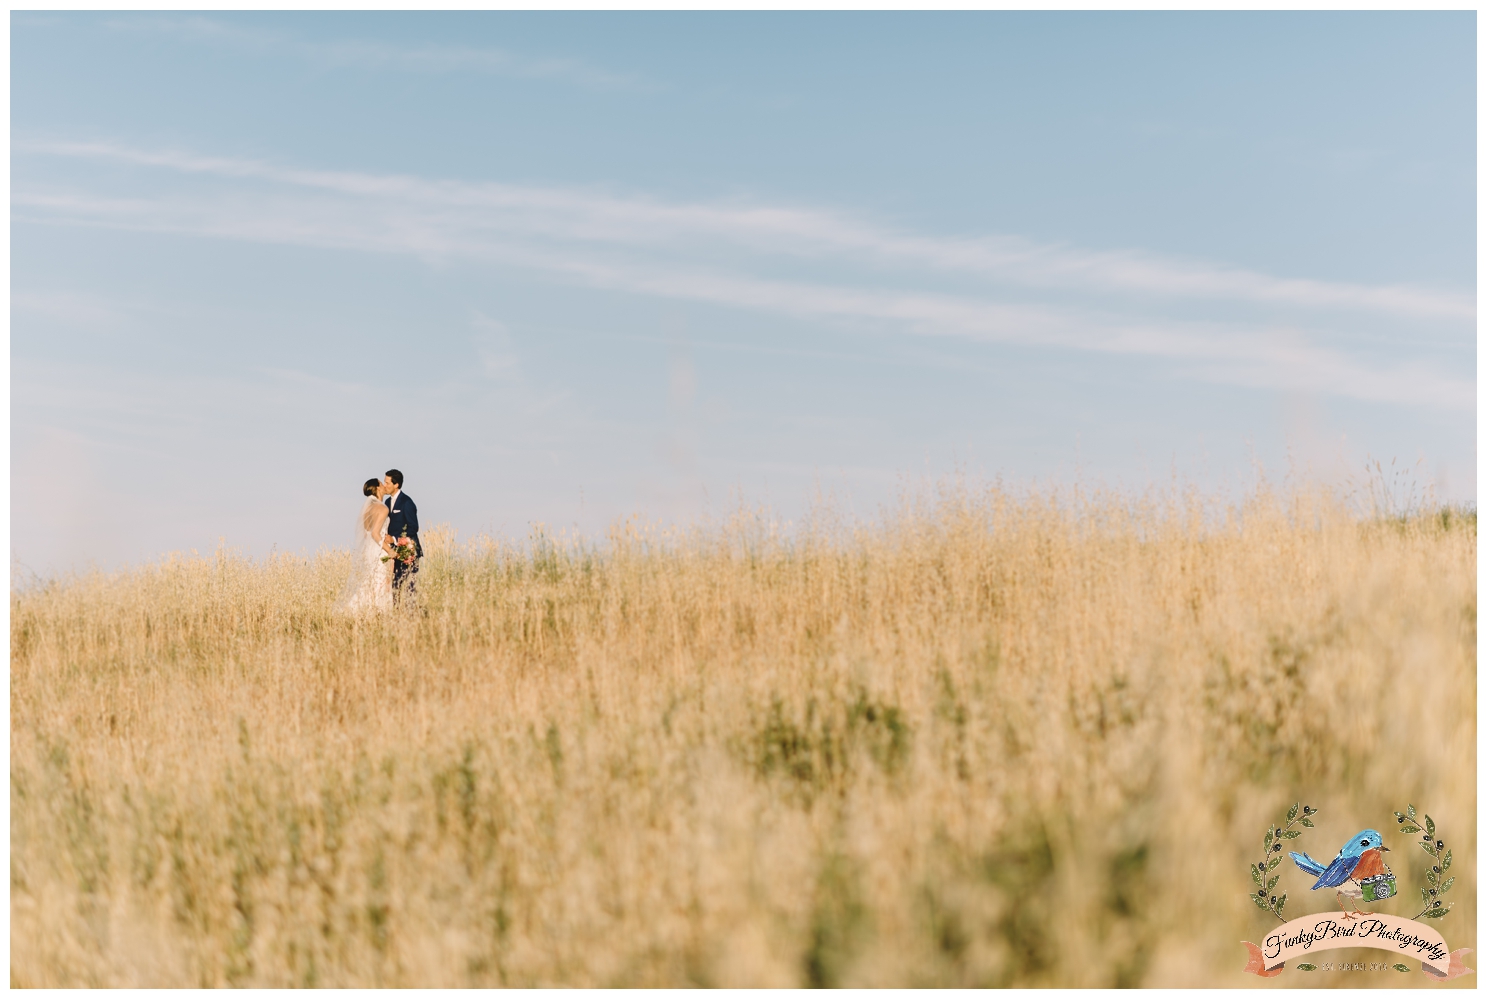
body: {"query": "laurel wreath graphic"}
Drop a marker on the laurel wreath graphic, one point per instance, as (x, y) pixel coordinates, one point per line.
(1264, 894)
(1432, 893)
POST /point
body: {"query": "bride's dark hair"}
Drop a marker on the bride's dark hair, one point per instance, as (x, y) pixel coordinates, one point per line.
(370, 486)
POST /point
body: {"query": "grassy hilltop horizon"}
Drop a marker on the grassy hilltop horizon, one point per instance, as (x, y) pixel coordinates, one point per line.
(990, 739)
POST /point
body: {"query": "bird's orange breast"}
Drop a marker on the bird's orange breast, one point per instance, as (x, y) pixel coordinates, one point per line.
(1370, 864)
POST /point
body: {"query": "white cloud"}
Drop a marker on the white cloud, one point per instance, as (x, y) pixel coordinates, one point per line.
(495, 348)
(73, 309)
(567, 213)
(368, 54)
(717, 253)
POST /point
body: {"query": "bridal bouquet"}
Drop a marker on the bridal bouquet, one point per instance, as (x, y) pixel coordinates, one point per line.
(403, 552)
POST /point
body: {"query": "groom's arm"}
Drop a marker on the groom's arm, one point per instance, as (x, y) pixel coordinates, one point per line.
(412, 511)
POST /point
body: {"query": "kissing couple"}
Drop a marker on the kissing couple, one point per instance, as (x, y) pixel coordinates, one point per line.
(386, 552)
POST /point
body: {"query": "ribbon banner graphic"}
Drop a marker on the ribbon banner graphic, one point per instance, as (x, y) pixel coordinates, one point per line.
(1329, 931)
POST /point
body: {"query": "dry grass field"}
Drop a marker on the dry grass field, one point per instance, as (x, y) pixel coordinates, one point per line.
(992, 738)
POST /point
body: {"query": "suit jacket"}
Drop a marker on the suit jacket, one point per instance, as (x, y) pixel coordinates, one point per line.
(403, 517)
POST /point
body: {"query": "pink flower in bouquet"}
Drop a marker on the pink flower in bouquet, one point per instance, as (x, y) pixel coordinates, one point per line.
(403, 550)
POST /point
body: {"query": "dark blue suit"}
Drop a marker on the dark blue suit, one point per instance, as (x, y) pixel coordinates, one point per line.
(402, 518)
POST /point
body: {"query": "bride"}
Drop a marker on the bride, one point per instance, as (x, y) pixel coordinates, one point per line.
(369, 586)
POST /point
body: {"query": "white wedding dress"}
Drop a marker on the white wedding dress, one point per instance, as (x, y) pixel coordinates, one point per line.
(369, 585)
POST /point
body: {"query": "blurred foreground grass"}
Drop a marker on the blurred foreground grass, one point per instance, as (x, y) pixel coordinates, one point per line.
(988, 740)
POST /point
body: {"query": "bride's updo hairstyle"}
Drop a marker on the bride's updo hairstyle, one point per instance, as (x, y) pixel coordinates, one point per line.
(370, 486)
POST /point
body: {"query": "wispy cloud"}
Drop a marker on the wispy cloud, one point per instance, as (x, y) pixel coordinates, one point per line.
(372, 54)
(601, 218)
(73, 309)
(735, 254)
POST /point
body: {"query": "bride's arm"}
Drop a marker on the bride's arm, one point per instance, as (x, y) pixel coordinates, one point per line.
(379, 529)
(375, 523)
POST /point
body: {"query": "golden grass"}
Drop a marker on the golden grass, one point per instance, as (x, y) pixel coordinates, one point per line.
(993, 739)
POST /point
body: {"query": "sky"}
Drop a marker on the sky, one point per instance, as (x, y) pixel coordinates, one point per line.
(566, 268)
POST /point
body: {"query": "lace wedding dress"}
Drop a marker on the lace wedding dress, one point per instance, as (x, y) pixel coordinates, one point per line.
(369, 585)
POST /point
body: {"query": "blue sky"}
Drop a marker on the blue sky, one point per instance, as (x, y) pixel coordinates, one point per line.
(563, 268)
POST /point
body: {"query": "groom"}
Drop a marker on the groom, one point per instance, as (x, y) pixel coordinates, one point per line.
(402, 518)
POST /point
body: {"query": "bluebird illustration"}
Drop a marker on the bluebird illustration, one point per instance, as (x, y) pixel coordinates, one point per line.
(1357, 872)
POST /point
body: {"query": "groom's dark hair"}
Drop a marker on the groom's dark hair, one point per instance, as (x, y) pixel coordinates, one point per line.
(395, 476)
(370, 486)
